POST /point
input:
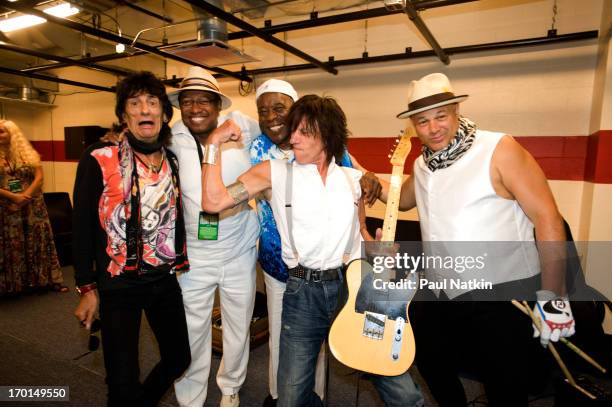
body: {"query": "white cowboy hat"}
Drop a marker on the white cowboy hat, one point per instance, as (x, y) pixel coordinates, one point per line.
(276, 85)
(198, 78)
(433, 90)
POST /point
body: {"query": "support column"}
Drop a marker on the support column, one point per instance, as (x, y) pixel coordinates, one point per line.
(596, 215)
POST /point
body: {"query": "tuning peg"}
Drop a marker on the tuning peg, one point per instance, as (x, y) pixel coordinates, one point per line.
(396, 141)
(388, 155)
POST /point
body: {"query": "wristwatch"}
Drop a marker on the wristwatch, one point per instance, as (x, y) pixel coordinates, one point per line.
(86, 288)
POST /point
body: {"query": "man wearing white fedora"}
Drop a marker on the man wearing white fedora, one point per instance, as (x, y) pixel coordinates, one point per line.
(471, 185)
(221, 248)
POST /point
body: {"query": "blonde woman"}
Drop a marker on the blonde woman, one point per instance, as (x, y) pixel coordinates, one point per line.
(28, 259)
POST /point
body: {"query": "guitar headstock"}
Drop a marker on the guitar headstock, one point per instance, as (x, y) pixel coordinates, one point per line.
(402, 149)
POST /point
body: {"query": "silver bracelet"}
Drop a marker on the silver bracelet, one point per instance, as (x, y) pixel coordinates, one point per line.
(238, 192)
(210, 154)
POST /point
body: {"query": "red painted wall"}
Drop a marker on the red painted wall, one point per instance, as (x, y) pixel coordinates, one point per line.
(572, 158)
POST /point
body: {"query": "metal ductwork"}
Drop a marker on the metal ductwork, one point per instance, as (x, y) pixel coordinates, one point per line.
(210, 27)
(211, 47)
(21, 88)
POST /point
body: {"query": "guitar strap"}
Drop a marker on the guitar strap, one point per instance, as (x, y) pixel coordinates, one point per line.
(289, 212)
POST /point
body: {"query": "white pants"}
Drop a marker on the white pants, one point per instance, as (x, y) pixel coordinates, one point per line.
(236, 283)
(274, 294)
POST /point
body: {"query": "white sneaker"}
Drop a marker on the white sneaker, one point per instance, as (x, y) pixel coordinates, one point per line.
(230, 400)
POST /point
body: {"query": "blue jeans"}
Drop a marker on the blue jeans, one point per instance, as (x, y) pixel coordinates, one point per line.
(308, 311)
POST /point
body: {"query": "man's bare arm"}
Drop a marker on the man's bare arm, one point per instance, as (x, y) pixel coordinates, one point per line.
(516, 175)
(215, 195)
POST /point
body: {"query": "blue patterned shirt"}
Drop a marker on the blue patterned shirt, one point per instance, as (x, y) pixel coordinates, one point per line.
(270, 259)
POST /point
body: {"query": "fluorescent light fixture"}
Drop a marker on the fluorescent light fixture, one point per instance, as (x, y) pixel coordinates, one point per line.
(62, 10)
(16, 23)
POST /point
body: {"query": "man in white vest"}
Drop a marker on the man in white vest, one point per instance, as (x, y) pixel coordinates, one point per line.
(471, 185)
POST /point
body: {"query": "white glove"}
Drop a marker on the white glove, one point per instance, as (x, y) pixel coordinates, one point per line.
(555, 316)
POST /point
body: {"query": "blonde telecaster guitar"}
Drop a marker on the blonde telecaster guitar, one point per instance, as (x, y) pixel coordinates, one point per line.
(372, 332)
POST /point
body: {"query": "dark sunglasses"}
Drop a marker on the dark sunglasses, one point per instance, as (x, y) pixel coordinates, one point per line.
(94, 341)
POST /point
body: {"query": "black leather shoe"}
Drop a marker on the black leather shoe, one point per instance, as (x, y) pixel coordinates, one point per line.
(269, 402)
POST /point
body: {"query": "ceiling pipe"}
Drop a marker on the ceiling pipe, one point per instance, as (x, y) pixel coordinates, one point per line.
(425, 4)
(492, 46)
(144, 11)
(90, 60)
(67, 61)
(316, 21)
(230, 18)
(210, 27)
(269, 29)
(114, 38)
(420, 25)
(57, 80)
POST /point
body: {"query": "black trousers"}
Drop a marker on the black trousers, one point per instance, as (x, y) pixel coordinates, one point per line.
(120, 316)
(491, 340)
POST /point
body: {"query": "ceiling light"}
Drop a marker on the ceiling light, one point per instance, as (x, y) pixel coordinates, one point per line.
(16, 23)
(62, 10)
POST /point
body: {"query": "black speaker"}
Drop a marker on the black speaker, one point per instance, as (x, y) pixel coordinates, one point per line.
(78, 138)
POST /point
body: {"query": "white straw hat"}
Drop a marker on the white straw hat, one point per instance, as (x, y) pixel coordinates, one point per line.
(199, 79)
(433, 90)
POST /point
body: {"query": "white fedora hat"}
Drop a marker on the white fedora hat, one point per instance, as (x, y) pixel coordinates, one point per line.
(198, 78)
(433, 90)
(276, 85)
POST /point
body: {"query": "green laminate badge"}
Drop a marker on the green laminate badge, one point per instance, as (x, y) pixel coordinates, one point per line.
(208, 226)
(15, 185)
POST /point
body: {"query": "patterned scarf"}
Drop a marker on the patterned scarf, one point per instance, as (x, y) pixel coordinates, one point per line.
(462, 142)
(131, 193)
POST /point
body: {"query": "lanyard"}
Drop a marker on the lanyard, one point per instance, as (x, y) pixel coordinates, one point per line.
(12, 170)
(199, 147)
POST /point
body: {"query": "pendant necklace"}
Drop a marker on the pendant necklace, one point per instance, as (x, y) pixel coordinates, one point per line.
(152, 167)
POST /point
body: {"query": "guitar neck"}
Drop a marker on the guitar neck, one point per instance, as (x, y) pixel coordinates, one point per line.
(393, 197)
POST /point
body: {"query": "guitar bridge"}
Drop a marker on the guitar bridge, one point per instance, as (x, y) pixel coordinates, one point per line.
(374, 325)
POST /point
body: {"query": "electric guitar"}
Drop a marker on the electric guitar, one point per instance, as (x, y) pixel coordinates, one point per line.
(372, 332)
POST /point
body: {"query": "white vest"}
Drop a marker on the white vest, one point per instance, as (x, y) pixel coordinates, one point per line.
(459, 204)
